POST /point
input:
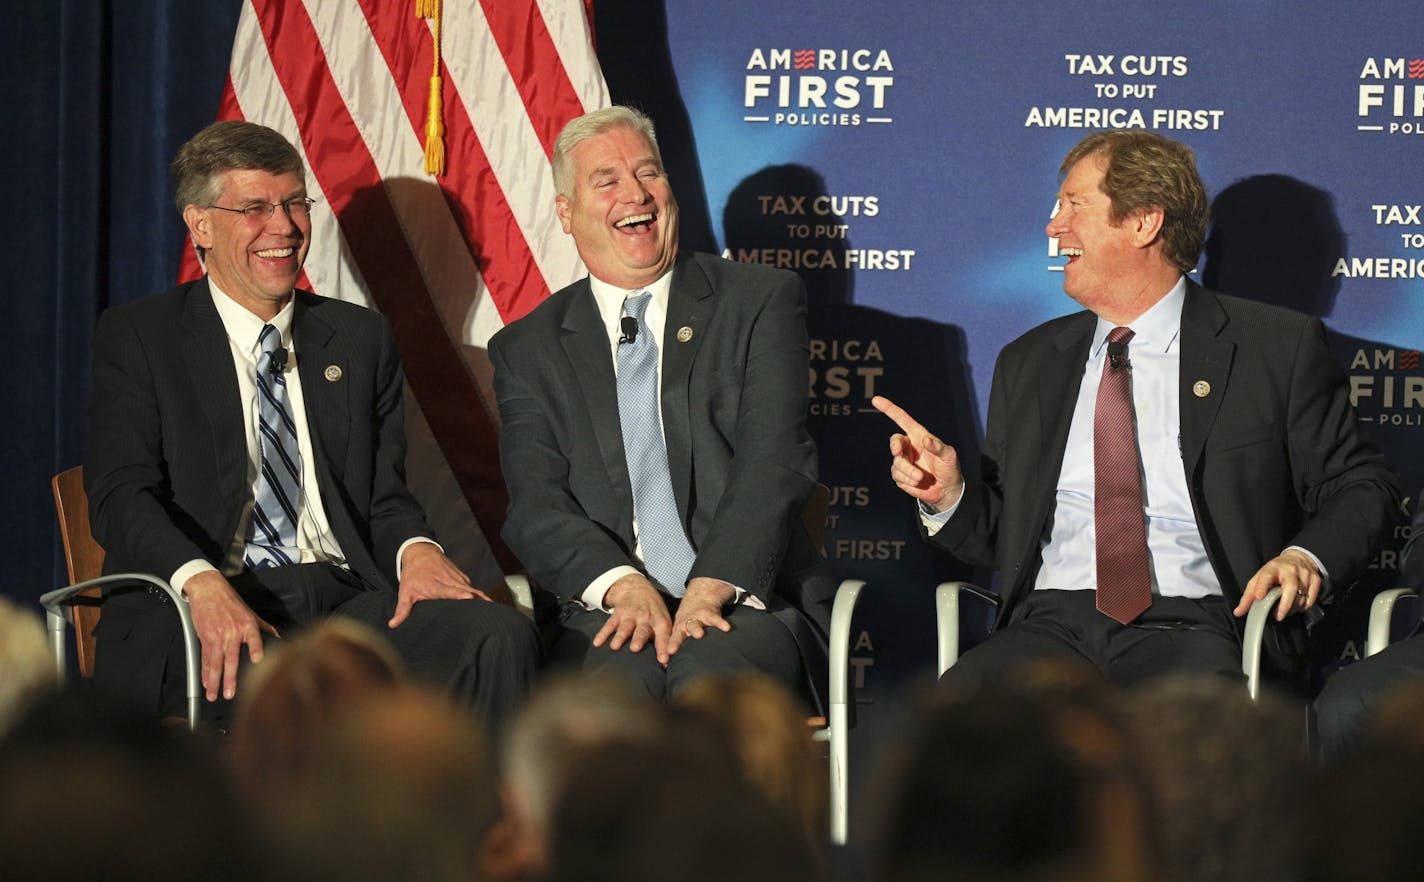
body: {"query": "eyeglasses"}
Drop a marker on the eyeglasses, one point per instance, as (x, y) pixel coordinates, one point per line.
(298, 208)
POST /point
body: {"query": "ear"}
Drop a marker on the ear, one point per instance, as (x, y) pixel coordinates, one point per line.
(565, 209)
(199, 226)
(1148, 225)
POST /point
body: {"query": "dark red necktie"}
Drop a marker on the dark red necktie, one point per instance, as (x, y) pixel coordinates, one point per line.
(1124, 581)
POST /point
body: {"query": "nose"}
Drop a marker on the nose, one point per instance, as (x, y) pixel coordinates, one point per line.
(1056, 223)
(631, 190)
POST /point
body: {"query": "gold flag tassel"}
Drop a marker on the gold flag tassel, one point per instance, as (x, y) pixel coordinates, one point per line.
(434, 112)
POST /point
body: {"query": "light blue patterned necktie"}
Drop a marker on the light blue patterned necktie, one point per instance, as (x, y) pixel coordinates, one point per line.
(667, 553)
(272, 532)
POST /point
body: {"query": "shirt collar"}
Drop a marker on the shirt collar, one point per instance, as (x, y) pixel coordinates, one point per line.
(1156, 329)
(609, 298)
(243, 328)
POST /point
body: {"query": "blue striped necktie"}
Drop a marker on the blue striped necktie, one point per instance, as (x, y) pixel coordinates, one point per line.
(272, 532)
(667, 553)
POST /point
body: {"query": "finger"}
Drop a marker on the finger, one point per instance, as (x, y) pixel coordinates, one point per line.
(641, 632)
(253, 641)
(475, 592)
(403, 605)
(265, 626)
(662, 638)
(622, 632)
(716, 621)
(231, 650)
(605, 632)
(212, 670)
(675, 638)
(896, 413)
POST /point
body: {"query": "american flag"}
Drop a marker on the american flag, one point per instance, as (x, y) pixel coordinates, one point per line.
(448, 259)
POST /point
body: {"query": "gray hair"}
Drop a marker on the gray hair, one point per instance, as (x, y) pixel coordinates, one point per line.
(581, 128)
(224, 146)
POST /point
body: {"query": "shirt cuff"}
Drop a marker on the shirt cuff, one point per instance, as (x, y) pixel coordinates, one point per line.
(933, 520)
(187, 571)
(1324, 573)
(400, 552)
(592, 596)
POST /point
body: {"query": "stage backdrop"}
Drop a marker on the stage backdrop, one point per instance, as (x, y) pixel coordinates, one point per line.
(901, 155)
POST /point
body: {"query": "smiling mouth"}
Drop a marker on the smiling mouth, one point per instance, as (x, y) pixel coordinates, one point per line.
(277, 252)
(634, 221)
(1070, 252)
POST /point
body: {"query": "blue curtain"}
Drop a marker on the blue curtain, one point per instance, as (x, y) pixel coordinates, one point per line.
(100, 94)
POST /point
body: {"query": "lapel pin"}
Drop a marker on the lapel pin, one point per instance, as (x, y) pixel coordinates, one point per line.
(332, 373)
(1201, 388)
(684, 334)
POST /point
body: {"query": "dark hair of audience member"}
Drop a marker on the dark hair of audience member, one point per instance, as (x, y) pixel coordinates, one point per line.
(1366, 809)
(672, 809)
(94, 790)
(1228, 777)
(1035, 781)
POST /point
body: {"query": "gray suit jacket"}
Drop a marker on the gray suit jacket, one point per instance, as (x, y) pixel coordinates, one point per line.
(1273, 453)
(734, 403)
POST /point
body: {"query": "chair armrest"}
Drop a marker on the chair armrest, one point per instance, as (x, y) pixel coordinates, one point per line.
(838, 731)
(1382, 616)
(947, 596)
(1256, 620)
(522, 593)
(57, 618)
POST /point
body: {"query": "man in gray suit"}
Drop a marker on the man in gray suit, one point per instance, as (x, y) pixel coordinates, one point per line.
(247, 442)
(654, 438)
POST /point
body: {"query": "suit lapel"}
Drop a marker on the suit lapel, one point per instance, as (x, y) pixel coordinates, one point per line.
(209, 359)
(1206, 359)
(327, 404)
(689, 311)
(585, 342)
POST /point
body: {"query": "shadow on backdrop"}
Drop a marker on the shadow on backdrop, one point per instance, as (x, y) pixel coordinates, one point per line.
(1276, 240)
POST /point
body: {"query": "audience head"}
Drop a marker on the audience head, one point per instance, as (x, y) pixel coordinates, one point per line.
(641, 811)
(27, 667)
(567, 714)
(1036, 781)
(90, 790)
(405, 787)
(1370, 799)
(1228, 777)
(290, 701)
(766, 727)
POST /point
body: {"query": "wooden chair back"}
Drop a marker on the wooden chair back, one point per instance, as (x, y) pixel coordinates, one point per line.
(82, 555)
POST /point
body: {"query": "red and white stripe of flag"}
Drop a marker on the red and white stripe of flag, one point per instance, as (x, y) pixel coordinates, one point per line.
(449, 260)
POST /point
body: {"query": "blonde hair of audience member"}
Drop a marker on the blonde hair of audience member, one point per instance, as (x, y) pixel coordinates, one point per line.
(404, 787)
(26, 664)
(290, 700)
(567, 714)
(771, 739)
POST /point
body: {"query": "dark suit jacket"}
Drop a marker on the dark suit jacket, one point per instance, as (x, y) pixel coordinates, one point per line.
(734, 402)
(1273, 454)
(166, 468)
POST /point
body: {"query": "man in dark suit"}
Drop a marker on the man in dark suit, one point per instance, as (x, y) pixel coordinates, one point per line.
(694, 560)
(1353, 694)
(247, 442)
(1156, 463)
